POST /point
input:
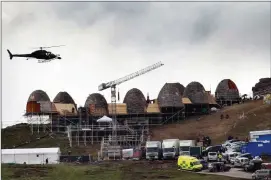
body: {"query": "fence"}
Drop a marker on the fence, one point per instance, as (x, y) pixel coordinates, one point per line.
(76, 159)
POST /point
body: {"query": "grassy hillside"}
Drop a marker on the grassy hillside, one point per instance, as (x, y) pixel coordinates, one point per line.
(113, 171)
(256, 117)
(20, 136)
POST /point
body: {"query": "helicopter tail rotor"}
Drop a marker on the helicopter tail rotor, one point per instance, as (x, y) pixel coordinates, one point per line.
(10, 55)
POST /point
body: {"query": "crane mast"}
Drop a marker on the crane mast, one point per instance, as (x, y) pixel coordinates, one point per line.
(113, 84)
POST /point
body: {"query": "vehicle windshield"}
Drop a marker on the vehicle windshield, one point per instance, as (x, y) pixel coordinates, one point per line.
(212, 154)
(168, 150)
(196, 163)
(184, 148)
(152, 149)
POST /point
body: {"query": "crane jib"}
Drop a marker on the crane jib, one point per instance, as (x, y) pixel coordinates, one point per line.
(104, 86)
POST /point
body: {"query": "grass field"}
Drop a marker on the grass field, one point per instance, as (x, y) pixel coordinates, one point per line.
(106, 171)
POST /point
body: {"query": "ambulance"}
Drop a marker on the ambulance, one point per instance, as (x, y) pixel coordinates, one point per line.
(189, 163)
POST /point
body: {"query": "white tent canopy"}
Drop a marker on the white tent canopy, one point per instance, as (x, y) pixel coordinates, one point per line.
(31, 155)
(104, 119)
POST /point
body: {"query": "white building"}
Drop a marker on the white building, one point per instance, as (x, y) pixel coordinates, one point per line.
(31, 156)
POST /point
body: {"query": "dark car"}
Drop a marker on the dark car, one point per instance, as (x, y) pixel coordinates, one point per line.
(253, 166)
(218, 167)
(216, 148)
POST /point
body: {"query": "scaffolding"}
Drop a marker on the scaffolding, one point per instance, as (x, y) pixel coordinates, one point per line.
(39, 122)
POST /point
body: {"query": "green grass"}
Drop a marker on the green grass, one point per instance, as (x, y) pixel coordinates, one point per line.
(107, 171)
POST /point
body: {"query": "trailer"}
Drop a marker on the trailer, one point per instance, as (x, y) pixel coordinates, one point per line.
(196, 151)
(257, 148)
(184, 146)
(264, 135)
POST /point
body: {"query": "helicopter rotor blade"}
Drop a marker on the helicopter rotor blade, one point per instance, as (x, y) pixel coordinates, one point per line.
(47, 47)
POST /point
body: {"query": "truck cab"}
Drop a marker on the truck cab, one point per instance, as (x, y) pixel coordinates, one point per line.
(170, 148)
(153, 150)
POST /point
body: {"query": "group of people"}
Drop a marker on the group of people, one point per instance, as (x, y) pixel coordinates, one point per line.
(206, 140)
(226, 116)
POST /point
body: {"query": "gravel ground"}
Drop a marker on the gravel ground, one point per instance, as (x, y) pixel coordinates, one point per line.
(234, 172)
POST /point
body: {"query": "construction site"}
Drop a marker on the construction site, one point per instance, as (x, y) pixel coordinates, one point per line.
(123, 125)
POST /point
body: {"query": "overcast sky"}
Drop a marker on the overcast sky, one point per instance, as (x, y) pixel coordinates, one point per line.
(204, 42)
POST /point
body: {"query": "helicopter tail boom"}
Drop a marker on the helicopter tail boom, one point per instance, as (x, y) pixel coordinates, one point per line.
(10, 54)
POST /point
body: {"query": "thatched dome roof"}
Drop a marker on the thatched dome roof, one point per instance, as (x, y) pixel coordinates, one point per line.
(196, 93)
(38, 95)
(135, 101)
(227, 90)
(179, 86)
(96, 99)
(170, 96)
(64, 98)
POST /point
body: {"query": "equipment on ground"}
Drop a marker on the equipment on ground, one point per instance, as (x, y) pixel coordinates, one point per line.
(113, 84)
(42, 55)
(218, 167)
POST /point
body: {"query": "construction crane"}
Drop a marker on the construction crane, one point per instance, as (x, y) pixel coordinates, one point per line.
(113, 84)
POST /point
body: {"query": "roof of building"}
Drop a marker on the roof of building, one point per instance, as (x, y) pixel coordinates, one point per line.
(31, 151)
(96, 99)
(64, 98)
(196, 93)
(227, 90)
(135, 101)
(170, 96)
(38, 95)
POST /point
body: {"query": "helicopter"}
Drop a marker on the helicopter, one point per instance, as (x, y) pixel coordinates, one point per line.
(42, 55)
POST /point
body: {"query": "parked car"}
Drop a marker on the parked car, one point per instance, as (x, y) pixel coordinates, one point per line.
(266, 165)
(247, 155)
(216, 148)
(231, 156)
(240, 161)
(212, 156)
(262, 174)
(253, 166)
(229, 142)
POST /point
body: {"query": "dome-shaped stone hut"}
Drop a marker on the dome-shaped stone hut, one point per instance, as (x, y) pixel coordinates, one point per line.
(38, 95)
(38, 102)
(179, 86)
(64, 98)
(227, 91)
(196, 93)
(65, 104)
(170, 97)
(97, 104)
(135, 101)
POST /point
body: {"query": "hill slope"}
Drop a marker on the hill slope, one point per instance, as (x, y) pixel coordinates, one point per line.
(256, 116)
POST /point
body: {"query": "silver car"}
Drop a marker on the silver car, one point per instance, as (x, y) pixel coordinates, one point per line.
(262, 174)
(240, 161)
